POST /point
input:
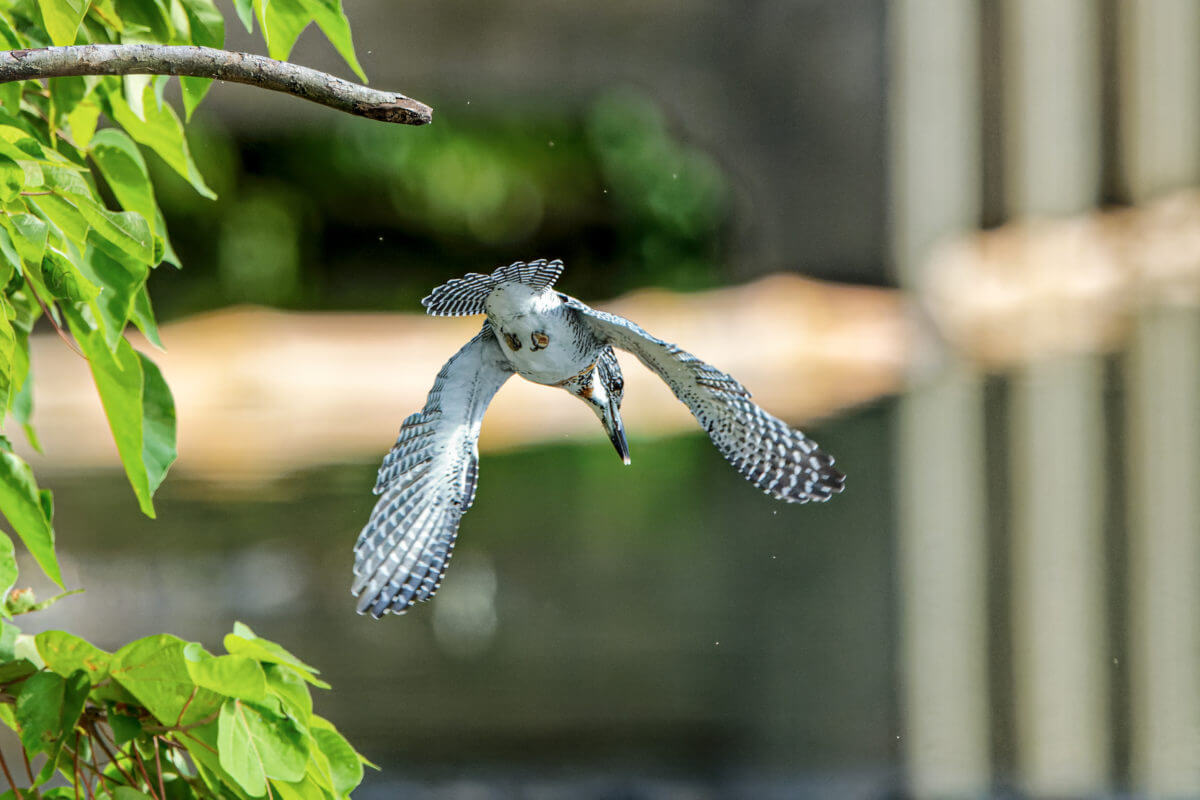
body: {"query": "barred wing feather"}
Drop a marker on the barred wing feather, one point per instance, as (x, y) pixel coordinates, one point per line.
(775, 457)
(426, 483)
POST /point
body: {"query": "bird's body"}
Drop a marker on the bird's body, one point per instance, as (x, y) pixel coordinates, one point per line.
(427, 481)
(542, 338)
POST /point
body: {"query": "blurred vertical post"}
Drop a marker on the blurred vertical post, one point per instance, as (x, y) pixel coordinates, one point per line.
(936, 179)
(1161, 148)
(1061, 663)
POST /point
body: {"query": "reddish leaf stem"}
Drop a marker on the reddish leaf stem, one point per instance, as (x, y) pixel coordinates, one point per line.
(8, 775)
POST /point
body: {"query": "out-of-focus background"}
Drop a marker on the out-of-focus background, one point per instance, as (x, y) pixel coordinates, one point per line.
(953, 239)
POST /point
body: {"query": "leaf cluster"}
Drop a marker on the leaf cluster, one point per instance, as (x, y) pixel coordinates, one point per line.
(81, 230)
(164, 718)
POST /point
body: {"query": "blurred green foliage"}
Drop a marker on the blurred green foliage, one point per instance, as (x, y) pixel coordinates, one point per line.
(81, 231)
(377, 217)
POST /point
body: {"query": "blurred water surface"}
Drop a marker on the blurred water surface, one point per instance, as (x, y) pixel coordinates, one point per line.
(659, 625)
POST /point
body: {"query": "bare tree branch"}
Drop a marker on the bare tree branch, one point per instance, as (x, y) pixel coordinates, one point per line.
(222, 65)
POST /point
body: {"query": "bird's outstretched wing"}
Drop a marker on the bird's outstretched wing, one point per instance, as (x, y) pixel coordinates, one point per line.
(775, 457)
(426, 483)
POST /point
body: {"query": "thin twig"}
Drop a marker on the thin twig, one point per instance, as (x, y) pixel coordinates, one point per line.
(8, 775)
(186, 703)
(35, 194)
(58, 328)
(207, 62)
(201, 742)
(28, 769)
(177, 728)
(162, 792)
(96, 757)
(91, 768)
(142, 768)
(75, 766)
(99, 737)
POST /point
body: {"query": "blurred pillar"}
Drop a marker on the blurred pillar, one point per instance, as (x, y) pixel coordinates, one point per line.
(936, 180)
(1161, 149)
(1061, 663)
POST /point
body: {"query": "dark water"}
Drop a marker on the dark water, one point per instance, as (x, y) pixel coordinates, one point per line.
(656, 630)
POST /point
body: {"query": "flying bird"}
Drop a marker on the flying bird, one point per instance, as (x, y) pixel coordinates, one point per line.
(427, 481)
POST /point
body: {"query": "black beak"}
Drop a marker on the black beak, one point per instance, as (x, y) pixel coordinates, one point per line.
(616, 432)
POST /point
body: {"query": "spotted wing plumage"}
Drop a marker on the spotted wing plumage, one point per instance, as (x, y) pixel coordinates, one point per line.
(775, 457)
(426, 483)
(465, 296)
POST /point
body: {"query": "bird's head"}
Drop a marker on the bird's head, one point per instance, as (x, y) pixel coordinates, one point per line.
(606, 405)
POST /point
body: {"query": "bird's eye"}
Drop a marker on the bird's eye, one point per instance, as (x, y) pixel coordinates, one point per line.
(513, 342)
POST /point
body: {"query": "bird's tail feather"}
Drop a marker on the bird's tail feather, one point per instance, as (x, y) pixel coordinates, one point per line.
(464, 296)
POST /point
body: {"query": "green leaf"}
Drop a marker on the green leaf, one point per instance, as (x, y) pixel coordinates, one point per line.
(307, 789)
(69, 224)
(286, 686)
(255, 745)
(8, 641)
(82, 122)
(245, 12)
(64, 653)
(120, 278)
(282, 22)
(119, 380)
(160, 230)
(134, 87)
(333, 23)
(345, 767)
(12, 178)
(65, 94)
(125, 172)
(48, 707)
(243, 641)
(8, 346)
(21, 504)
(232, 676)
(106, 13)
(30, 238)
(139, 407)
(144, 21)
(155, 671)
(207, 30)
(67, 180)
(124, 727)
(9, 256)
(62, 18)
(13, 671)
(75, 693)
(158, 424)
(8, 572)
(128, 793)
(142, 315)
(64, 280)
(39, 710)
(8, 34)
(162, 132)
(201, 744)
(127, 231)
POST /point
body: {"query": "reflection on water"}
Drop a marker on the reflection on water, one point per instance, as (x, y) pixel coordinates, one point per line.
(663, 623)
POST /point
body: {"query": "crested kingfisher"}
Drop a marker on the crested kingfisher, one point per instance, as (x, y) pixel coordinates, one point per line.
(427, 481)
